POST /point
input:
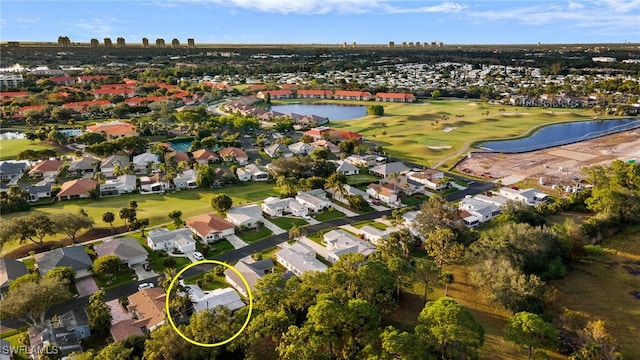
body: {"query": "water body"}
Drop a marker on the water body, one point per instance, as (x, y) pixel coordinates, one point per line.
(180, 145)
(333, 112)
(561, 134)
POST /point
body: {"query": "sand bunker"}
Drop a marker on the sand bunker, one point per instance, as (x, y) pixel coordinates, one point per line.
(439, 147)
(449, 128)
(515, 113)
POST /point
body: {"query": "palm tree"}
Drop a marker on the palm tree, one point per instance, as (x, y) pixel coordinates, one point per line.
(336, 184)
(165, 279)
(446, 278)
(296, 232)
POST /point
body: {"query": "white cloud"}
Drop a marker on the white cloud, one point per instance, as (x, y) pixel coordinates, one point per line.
(27, 20)
(92, 28)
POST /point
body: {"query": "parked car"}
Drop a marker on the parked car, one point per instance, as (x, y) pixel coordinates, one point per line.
(146, 266)
(198, 255)
(145, 286)
(306, 217)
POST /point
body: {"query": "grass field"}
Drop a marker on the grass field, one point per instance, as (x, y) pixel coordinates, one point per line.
(287, 223)
(155, 207)
(9, 149)
(406, 130)
(253, 235)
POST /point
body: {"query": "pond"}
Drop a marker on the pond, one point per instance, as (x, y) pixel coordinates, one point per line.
(561, 134)
(333, 112)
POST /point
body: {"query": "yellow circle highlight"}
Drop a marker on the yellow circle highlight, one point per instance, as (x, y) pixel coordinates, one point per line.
(172, 284)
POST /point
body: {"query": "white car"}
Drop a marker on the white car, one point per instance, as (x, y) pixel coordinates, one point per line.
(306, 217)
(198, 255)
(145, 286)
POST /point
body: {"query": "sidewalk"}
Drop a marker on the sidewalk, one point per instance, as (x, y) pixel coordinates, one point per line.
(273, 227)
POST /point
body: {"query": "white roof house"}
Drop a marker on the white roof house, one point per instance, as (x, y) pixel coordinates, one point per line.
(387, 169)
(165, 239)
(251, 270)
(186, 180)
(300, 148)
(339, 242)
(203, 300)
(299, 258)
(121, 185)
(145, 161)
(278, 150)
(274, 206)
(346, 168)
(431, 178)
(258, 173)
(480, 211)
(528, 196)
(247, 216)
(314, 200)
(348, 190)
(373, 234)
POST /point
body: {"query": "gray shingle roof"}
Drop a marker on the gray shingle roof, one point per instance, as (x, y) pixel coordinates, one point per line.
(10, 269)
(125, 248)
(73, 256)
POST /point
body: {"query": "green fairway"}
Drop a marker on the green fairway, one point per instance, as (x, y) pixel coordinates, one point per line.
(430, 132)
(9, 149)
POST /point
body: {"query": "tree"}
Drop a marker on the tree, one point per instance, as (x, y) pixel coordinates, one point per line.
(446, 278)
(442, 246)
(70, 224)
(176, 216)
(33, 227)
(401, 345)
(31, 277)
(107, 265)
(426, 271)
(453, 327)
(530, 331)
(435, 214)
(221, 203)
(377, 110)
(596, 343)
(436, 94)
(402, 270)
(357, 202)
(109, 217)
(140, 224)
(205, 176)
(63, 273)
(296, 232)
(99, 314)
(31, 300)
(129, 215)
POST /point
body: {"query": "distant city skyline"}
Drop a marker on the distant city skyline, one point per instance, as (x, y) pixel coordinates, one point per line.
(324, 21)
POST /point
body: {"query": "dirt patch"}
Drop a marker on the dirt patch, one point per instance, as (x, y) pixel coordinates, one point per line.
(556, 166)
(91, 234)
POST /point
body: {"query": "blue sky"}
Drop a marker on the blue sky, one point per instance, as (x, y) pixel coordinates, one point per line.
(324, 21)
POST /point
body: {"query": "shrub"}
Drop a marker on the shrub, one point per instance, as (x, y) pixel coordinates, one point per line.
(209, 277)
(169, 262)
(593, 251)
(204, 249)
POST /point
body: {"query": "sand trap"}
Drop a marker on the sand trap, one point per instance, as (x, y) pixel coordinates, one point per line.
(515, 113)
(449, 128)
(441, 147)
(472, 104)
(458, 109)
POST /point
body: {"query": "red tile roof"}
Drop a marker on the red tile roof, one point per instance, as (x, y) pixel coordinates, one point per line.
(276, 92)
(406, 96)
(232, 152)
(114, 129)
(85, 104)
(204, 154)
(117, 91)
(315, 92)
(178, 156)
(61, 79)
(352, 93)
(45, 166)
(77, 187)
(12, 94)
(145, 100)
(207, 223)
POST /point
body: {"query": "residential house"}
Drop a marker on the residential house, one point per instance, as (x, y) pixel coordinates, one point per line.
(203, 300)
(352, 95)
(243, 174)
(530, 196)
(314, 200)
(433, 179)
(205, 156)
(251, 271)
(47, 169)
(299, 258)
(387, 193)
(278, 150)
(348, 190)
(300, 148)
(109, 164)
(311, 120)
(73, 256)
(234, 154)
(385, 170)
(164, 239)
(128, 250)
(339, 242)
(64, 332)
(314, 94)
(346, 168)
(176, 157)
(145, 162)
(123, 184)
(186, 180)
(257, 172)
(326, 145)
(84, 165)
(318, 133)
(76, 189)
(154, 184)
(405, 184)
(247, 216)
(210, 227)
(10, 270)
(373, 234)
(40, 190)
(395, 97)
(274, 94)
(475, 212)
(147, 310)
(12, 170)
(113, 130)
(274, 206)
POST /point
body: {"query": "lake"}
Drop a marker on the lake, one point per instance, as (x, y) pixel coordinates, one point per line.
(333, 112)
(561, 134)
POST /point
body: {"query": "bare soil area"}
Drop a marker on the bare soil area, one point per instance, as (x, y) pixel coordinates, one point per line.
(558, 165)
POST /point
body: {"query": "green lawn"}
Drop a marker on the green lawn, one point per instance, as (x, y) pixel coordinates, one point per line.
(414, 199)
(375, 224)
(9, 149)
(123, 277)
(362, 179)
(253, 235)
(157, 261)
(328, 215)
(218, 282)
(218, 248)
(287, 223)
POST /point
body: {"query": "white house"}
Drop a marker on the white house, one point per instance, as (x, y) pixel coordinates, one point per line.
(123, 184)
(248, 216)
(348, 190)
(108, 165)
(243, 174)
(40, 190)
(274, 206)
(433, 179)
(339, 242)
(143, 163)
(165, 239)
(373, 234)
(344, 168)
(386, 192)
(299, 258)
(153, 185)
(384, 170)
(530, 196)
(300, 148)
(278, 150)
(358, 160)
(476, 211)
(210, 227)
(251, 270)
(186, 180)
(258, 173)
(203, 300)
(314, 200)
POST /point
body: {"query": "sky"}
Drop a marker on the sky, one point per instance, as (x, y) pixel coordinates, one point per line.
(324, 21)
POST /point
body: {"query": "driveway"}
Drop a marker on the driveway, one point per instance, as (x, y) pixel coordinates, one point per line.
(236, 241)
(143, 274)
(347, 212)
(319, 249)
(273, 227)
(86, 286)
